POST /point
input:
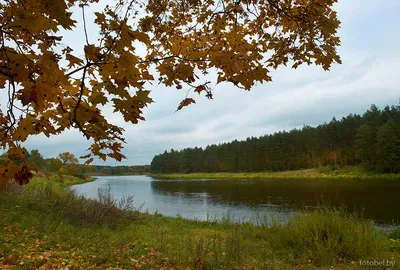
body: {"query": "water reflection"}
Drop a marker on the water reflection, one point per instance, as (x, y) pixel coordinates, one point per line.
(252, 200)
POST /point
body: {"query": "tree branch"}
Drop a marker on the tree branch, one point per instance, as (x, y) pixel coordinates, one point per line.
(88, 65)
(84, 24)
(79, 102)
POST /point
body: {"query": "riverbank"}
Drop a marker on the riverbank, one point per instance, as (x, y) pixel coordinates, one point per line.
(63, 181)
(45, 225)
(316, 173)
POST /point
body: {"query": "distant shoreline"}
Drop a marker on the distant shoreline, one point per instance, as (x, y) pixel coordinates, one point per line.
(100, 174)
(316, 173)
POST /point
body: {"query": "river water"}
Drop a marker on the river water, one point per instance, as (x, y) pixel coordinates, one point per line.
(257, 201)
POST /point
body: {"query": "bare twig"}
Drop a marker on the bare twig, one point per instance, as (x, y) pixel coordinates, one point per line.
(84, 24)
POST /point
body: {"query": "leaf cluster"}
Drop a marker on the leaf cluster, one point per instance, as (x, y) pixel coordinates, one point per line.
(52, 88)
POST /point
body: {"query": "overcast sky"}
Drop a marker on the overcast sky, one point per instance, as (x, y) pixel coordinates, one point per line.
(306, 96)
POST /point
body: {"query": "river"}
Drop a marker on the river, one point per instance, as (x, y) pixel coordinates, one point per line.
(257, 201)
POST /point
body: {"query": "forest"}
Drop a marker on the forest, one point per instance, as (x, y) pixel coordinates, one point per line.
(371, 140)
(67, 164)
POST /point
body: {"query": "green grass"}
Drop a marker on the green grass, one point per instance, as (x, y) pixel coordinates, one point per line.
(45, 225)
(325, 235)
(61, 181)
(348, 172)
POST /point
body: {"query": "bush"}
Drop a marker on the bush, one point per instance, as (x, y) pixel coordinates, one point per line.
(395, 234)
(394, 241)
(80, 175)
(326, 169)
(327, 236)
(48, 197)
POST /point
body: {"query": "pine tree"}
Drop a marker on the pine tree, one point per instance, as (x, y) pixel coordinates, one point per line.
(389, 147)
(366, 145)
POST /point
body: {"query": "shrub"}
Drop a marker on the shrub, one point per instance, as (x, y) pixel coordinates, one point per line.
(325, 236)
(48, 197)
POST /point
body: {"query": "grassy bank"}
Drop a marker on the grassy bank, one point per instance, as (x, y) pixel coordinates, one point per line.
(316, 173)
(45, 225)
(63, 181)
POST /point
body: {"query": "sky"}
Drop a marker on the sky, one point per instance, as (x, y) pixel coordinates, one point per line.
(308, 95)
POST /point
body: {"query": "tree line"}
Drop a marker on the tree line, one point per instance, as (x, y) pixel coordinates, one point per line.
(67, 164)
(371, 139)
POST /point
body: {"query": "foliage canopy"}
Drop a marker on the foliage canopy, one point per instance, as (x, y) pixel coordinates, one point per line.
(52, 88)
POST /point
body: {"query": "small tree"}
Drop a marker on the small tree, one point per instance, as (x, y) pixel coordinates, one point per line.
(67, 158)
(70, 163)
(37, 159)
(53, 164)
